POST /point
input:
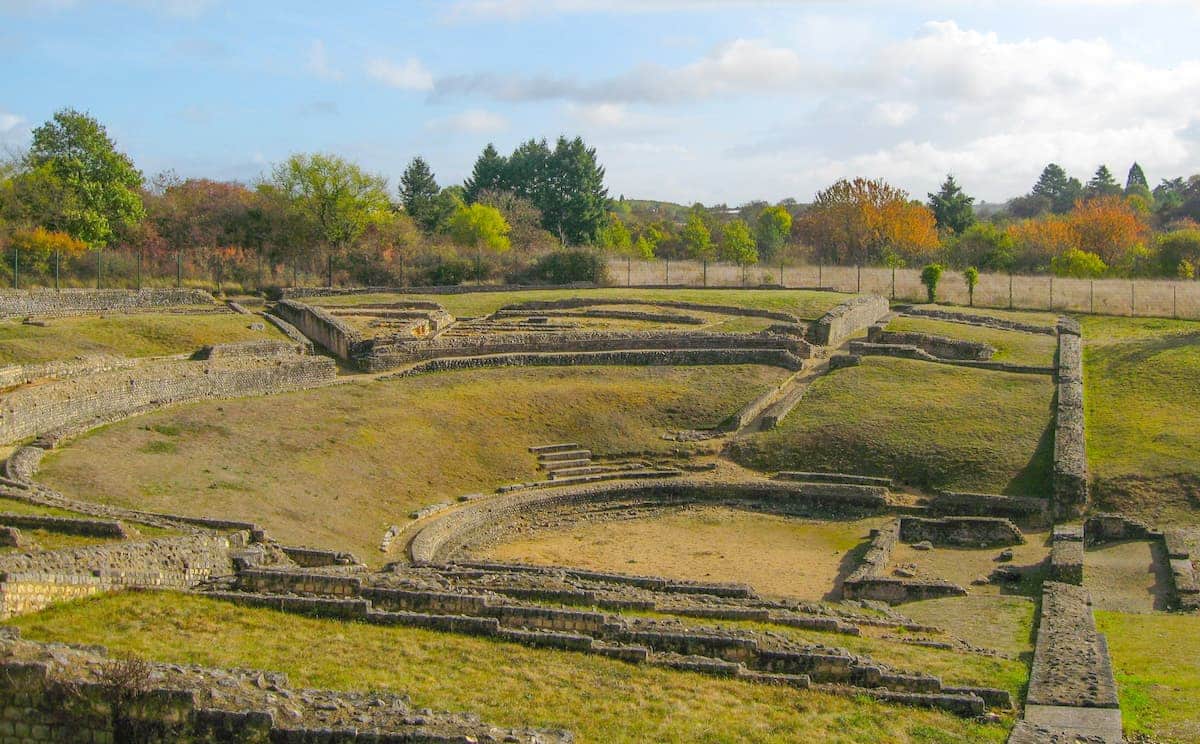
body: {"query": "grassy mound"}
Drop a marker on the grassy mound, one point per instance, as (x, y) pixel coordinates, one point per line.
(929, 425)
(601, 700)
(802, 303)
(1158, 674)
(133, 335)
(1141, 384)
(336, 466)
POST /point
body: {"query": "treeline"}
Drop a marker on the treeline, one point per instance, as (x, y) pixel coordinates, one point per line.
(75, 210)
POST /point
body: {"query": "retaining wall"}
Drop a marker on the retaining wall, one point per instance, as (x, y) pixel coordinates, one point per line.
(41, 303)
(569, 303)
(870, 579)
(666, 357)
(1070, 472)
(909, 351)
(1070, 662)
(974, 532)
(323, 328)
(939, 346)
(29, 411)
(849, 318)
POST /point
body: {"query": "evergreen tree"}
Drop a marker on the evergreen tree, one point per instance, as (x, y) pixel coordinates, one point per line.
(1136, 179)
(1102, 184)
(419, 194)
(1058, 188)
(489, 174)
(579, 197)
(952, 208)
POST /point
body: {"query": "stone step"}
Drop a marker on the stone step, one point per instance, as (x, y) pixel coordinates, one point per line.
(539, 449)
(590, 469)
(559, 455)
(555, 466)
(843, 478)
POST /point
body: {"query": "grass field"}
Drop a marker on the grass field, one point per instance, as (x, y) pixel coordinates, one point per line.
(601, 700)
(1033, 317)
(334, 467)
(1142, 381)
(776, 555)
(132, 335)
(802, 303)
(1011, 346)
(928, 425)
(1000, 622)
(1158, 674)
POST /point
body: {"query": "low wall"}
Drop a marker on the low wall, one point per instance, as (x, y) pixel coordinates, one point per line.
(974, 532)
(67, 525)
(870, 579)
(569, 303)
(389, 356)
(966, 503)
(30, 411)
(943, 347)
(249, 350)
(323, 328)
(1070, 661)
(978, 320)
(1070, 472)
(849, 318)
(17, 374)
(44, 302)
(294, 292)
(442, 537)
(1066, 555)
(667, 357)
(33, 581)
(908, 351)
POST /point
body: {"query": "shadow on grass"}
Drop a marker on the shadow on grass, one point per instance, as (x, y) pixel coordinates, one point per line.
(1034, 478)
(846, 566)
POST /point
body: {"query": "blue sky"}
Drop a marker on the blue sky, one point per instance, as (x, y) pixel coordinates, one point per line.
(710, 100)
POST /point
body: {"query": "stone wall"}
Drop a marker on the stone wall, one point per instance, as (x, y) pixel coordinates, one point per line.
(1070, 476)
(1066, 555)
(584, 300)
(443, 536)
(68, 525)
(985, 321)
(17, 374)
(971, 532)
(29, 411)
(666, 357)
(32, 581)
(870, 579)
(323, 328)
(909, 351)
(944, 347)
(295, 292)
(388, 356)
(249, 350)
(46, 302)
(1070, 662)
(849, 318)
(59, 693)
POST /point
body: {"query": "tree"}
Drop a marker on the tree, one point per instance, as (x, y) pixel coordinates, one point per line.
(1109, 227)
(697, 241)
(952, 208)
(615, 237)
(419, 194)
(75, 151)
(1060, 190)
(523, 217)
(1040, 239)
(1136, 184)
(855, 221)
(1102, 184)
(489, 174)
(332, 197)
(930, 276)
(1078, 264)
(986, 245)
(566, 184)
(971, 276)
(1177, 248)
(33, 249)
(478, 227)
(737, 245)
(773, 226)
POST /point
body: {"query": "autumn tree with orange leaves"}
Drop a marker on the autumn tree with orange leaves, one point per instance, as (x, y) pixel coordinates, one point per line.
(1107, 227)
(864, 221)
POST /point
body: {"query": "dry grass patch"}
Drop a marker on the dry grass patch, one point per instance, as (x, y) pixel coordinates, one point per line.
(1127, 576)
(335, 466)
(601, 700)
(1000, 622)
(782, 556)
(963, 565)
(1014, 347)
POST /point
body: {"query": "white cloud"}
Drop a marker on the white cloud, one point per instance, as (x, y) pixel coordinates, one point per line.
(14, 129)
(894, 113)
(472, 121)
(318, 62)
(410, 74)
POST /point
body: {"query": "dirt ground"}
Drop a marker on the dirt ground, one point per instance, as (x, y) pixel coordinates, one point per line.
(963, 565)
(1126, 576)
(780, 556)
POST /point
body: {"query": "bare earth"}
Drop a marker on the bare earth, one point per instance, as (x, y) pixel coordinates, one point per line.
(1125, 577)
(963, 565)
(781, 556)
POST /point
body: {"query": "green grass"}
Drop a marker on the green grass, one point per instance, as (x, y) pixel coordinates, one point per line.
(1032, 317)
(600, 700)
(1141, 385)
(927, 425)
(1158, 673)
(1011, 346)
(336, 466)
(803, 303)
(132, 335)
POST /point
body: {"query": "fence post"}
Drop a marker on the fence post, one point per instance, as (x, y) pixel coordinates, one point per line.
(139, 271)
(1132, 299)
(178, 269)
(1174, 314)
(1092, 297)
(820, 274)
(667, 281)
(16, 267)
(1052, 292)
(893, 282)
(98, 268)
(1010, 294)
(56, 259)
(781, 284)
(859, 279)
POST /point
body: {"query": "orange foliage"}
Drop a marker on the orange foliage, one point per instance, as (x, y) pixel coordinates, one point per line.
(861, 221)
(45, 242)
(1040, 239)
(1109, 227)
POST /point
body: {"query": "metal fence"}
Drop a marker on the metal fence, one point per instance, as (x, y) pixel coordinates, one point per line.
(1143, 297)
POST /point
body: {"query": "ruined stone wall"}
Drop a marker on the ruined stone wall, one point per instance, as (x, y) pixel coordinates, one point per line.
(849, 318)
(29, 411)
(32, 581)
(442, 537)
(939, 346)
(18, 374)
(985, 321)
(1070, 476)
(323, 328)
(916, 353)
(249, 350)
(46, 302)
(870, 579)
(298, 292)
(584, 300)
(1070, 662)
(394, 355)
(973, 532)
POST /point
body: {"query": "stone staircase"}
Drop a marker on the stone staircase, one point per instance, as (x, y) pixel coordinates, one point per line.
(568, 463)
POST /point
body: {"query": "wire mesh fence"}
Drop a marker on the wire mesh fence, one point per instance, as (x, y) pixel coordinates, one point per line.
(1143, 297)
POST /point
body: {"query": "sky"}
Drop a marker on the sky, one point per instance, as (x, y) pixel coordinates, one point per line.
(684, 100)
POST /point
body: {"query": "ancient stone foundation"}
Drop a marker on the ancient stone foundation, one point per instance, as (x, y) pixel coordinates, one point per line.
(1070, 476)
(46, 302)
(848, 318)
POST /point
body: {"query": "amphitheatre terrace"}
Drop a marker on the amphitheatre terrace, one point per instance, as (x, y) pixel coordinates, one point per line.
(594, 514)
